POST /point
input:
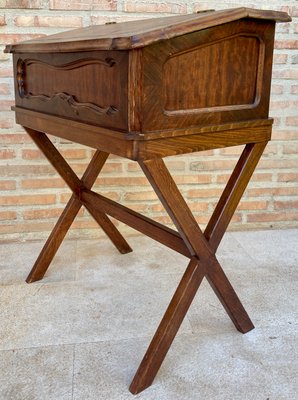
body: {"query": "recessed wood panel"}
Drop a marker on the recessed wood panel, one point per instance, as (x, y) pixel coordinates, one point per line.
(214, 76)
(190, 84)
(87, 86)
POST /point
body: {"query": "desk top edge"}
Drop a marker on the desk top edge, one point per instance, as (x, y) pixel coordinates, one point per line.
(140, 33)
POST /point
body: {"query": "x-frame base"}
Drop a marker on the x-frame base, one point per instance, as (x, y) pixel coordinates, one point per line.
(190, 241)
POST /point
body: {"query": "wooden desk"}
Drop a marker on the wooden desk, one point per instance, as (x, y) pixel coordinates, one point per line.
(146, 90)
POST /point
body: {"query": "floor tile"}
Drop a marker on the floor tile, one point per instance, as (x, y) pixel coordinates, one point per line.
(37, 373)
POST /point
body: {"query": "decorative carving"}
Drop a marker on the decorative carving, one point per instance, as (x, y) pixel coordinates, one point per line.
(65, 98)
(62, 98)
(21, 77)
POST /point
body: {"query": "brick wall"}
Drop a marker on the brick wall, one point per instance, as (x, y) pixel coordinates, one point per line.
(32, 196)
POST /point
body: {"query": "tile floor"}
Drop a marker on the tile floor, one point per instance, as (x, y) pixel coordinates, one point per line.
(80, 333)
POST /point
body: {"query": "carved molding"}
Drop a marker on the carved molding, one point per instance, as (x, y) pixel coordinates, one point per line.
(62, 98)
(65, 98)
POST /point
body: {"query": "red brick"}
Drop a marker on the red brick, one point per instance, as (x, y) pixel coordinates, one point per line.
(14, 138)
(5, 105)
(292, 121)
(7, 215)
(190, 179)
(277, 89)
(100, 19)
(28, 154)
(112, 167)
(21, 4)
(12, 38)
(146, 7)
(256, 177)
(133, 167)
(277, 163)
(175, 165)
(279, 105)
(272, 217)
(105, 5)
(285, 135)
(288, 177)
(212, 165)
(6, 72)
(26, 228)
(294, 89)
(280, 191)
(204, 193)
(18, 170)
(282, 205)
(253, 205)
(6, 123)
(28, 199)
(7, 185)
(198, 207)
(280, 58)
(42, 214)
(293, 11)
(140, 196)
(285, 74)
(286, 44)
(124, 181)
(2, 20)
(290, 149)
(43, 183)
(48, 21)
(6, 153)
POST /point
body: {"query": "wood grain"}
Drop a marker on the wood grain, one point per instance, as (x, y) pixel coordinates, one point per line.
(134, 34)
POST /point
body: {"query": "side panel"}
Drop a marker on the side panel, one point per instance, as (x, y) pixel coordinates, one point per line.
(214, 76)
(88, 87)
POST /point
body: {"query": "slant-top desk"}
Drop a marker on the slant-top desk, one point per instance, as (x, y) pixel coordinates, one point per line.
(146, 90)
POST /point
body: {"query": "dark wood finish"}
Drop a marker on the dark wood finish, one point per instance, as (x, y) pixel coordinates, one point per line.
(169, 326)
(147, 85)
(145, 90)
(89, 87)
(134, 34)
(230, 66)
(163, 145)
(232, 194)
(73, 206)
(178, 210)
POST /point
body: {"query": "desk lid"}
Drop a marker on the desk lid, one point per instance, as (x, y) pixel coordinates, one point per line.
(134, 34)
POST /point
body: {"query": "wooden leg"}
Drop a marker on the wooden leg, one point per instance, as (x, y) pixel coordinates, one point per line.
(67, 217)
(174, 203)
(54, 241)
(169, 326)
(110, 230)
(232, 194)
(228, 297)
(203, 263)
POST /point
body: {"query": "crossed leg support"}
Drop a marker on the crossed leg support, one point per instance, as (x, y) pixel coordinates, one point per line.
(190, 240)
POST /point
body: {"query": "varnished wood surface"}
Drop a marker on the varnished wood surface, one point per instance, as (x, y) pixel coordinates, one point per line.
(73, 206)
(232, 193)
(218, 75)
(89, 86)
(141, 149)
(204, 75)
(169, 325)
(179, 85)
(133, 34)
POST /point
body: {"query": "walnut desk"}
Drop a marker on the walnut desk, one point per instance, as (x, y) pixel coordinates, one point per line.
(146, 90)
